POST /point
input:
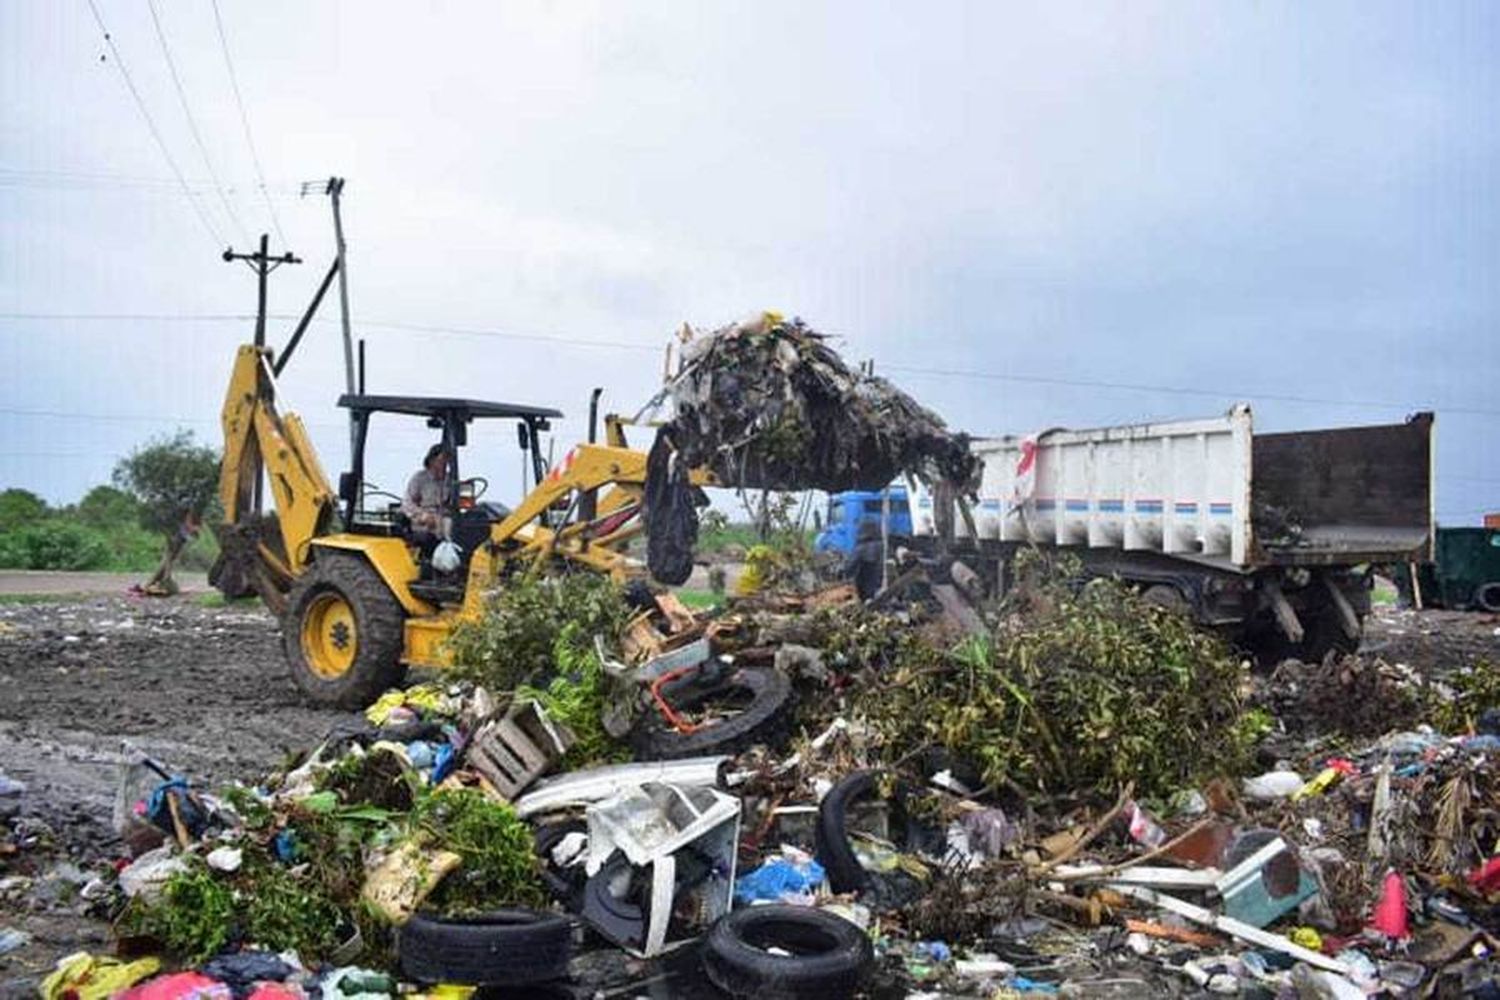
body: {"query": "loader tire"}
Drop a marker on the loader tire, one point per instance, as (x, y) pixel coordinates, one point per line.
(766, 718)
(342, 632)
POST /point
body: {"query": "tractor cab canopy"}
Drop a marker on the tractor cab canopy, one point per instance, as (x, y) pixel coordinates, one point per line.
(449, 416)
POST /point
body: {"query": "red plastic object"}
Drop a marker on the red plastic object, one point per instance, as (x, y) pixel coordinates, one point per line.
(1486, 878)
(276, 991)
(179, 986)
(1345, 767)
(1389, 917)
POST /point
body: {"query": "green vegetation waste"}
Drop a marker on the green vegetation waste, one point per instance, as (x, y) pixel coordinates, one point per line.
(577, 697)
(1084, 688)
(310, 903)
(1475, 689)
(530, 622)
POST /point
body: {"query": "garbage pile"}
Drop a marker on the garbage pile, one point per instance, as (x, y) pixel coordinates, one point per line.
(767, 404)
(798, 794)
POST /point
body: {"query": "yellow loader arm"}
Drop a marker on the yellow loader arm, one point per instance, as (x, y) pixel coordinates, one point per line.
(613, 472)
(261, 554)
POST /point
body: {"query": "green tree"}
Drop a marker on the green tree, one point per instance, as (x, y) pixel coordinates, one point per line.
(173, 479)
(108, 507)
(19, 508)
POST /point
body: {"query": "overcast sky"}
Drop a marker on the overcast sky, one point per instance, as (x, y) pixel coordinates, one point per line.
(1290, 204)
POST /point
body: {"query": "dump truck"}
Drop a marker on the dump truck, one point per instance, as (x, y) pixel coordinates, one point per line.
(1269, 538)
(850, 510)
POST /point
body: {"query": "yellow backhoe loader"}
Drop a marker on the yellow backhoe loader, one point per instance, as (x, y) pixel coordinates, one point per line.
(358, 596)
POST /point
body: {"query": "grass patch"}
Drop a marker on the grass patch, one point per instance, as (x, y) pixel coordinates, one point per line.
(214, 599)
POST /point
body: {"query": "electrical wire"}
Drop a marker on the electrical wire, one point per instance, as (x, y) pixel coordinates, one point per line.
(1020, 378)
(239, 100)
(151, 125)
(187, 112)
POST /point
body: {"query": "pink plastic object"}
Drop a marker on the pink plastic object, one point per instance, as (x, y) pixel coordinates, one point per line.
(276, 991)
(179, 986)
(1144, 829)
(1389, 917)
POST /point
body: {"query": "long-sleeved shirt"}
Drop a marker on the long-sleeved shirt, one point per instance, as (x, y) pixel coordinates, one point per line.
(425, 494)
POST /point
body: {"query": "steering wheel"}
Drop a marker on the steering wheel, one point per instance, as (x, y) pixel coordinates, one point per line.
(482, 485)
(371, 490)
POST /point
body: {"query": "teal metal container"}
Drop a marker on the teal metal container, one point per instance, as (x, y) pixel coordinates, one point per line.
(1465, 571)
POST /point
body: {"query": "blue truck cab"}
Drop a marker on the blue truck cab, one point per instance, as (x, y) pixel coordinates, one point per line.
(848, 510)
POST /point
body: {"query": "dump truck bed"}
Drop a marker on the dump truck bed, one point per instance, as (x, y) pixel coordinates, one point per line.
(1211, 490)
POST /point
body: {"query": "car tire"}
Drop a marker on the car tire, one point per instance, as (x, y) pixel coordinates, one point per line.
(504, 948)
(834, 851)
(765, 720)
(829, 956)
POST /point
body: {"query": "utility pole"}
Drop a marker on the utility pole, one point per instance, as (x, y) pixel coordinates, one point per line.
(262, 263)
(335, 189)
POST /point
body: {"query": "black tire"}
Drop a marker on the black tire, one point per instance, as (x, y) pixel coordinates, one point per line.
(1165, 595)
(503, 948)
(1325, 634)
(834, 852)
(379, 624)
(765, 720)
(830, 957)
(1487, 597)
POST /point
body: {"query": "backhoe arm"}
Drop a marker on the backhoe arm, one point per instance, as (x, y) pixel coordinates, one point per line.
(259, 554)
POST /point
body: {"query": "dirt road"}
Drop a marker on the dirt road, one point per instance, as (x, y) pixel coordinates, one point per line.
(40, 582)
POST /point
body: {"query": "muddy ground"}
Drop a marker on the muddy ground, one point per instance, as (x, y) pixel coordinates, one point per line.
(200, 689)
(205, 691)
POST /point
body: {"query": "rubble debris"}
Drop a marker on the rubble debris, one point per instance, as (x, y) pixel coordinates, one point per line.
(1075, 800)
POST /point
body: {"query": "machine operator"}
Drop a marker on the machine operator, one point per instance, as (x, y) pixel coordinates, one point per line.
(428, 492)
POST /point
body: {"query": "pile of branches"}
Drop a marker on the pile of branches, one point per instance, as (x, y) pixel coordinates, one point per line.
(768, 404)
(1086, 688)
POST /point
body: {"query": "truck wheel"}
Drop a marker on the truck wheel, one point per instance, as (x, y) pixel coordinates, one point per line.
(342, 632)
(1488, 597)
(1164, 595)
(1325, 635)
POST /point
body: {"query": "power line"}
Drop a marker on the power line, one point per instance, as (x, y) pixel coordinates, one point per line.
(151, 125)
(234, 83)
(70, 180)
(187, 112)
(1173, 390)
(1028, 379)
